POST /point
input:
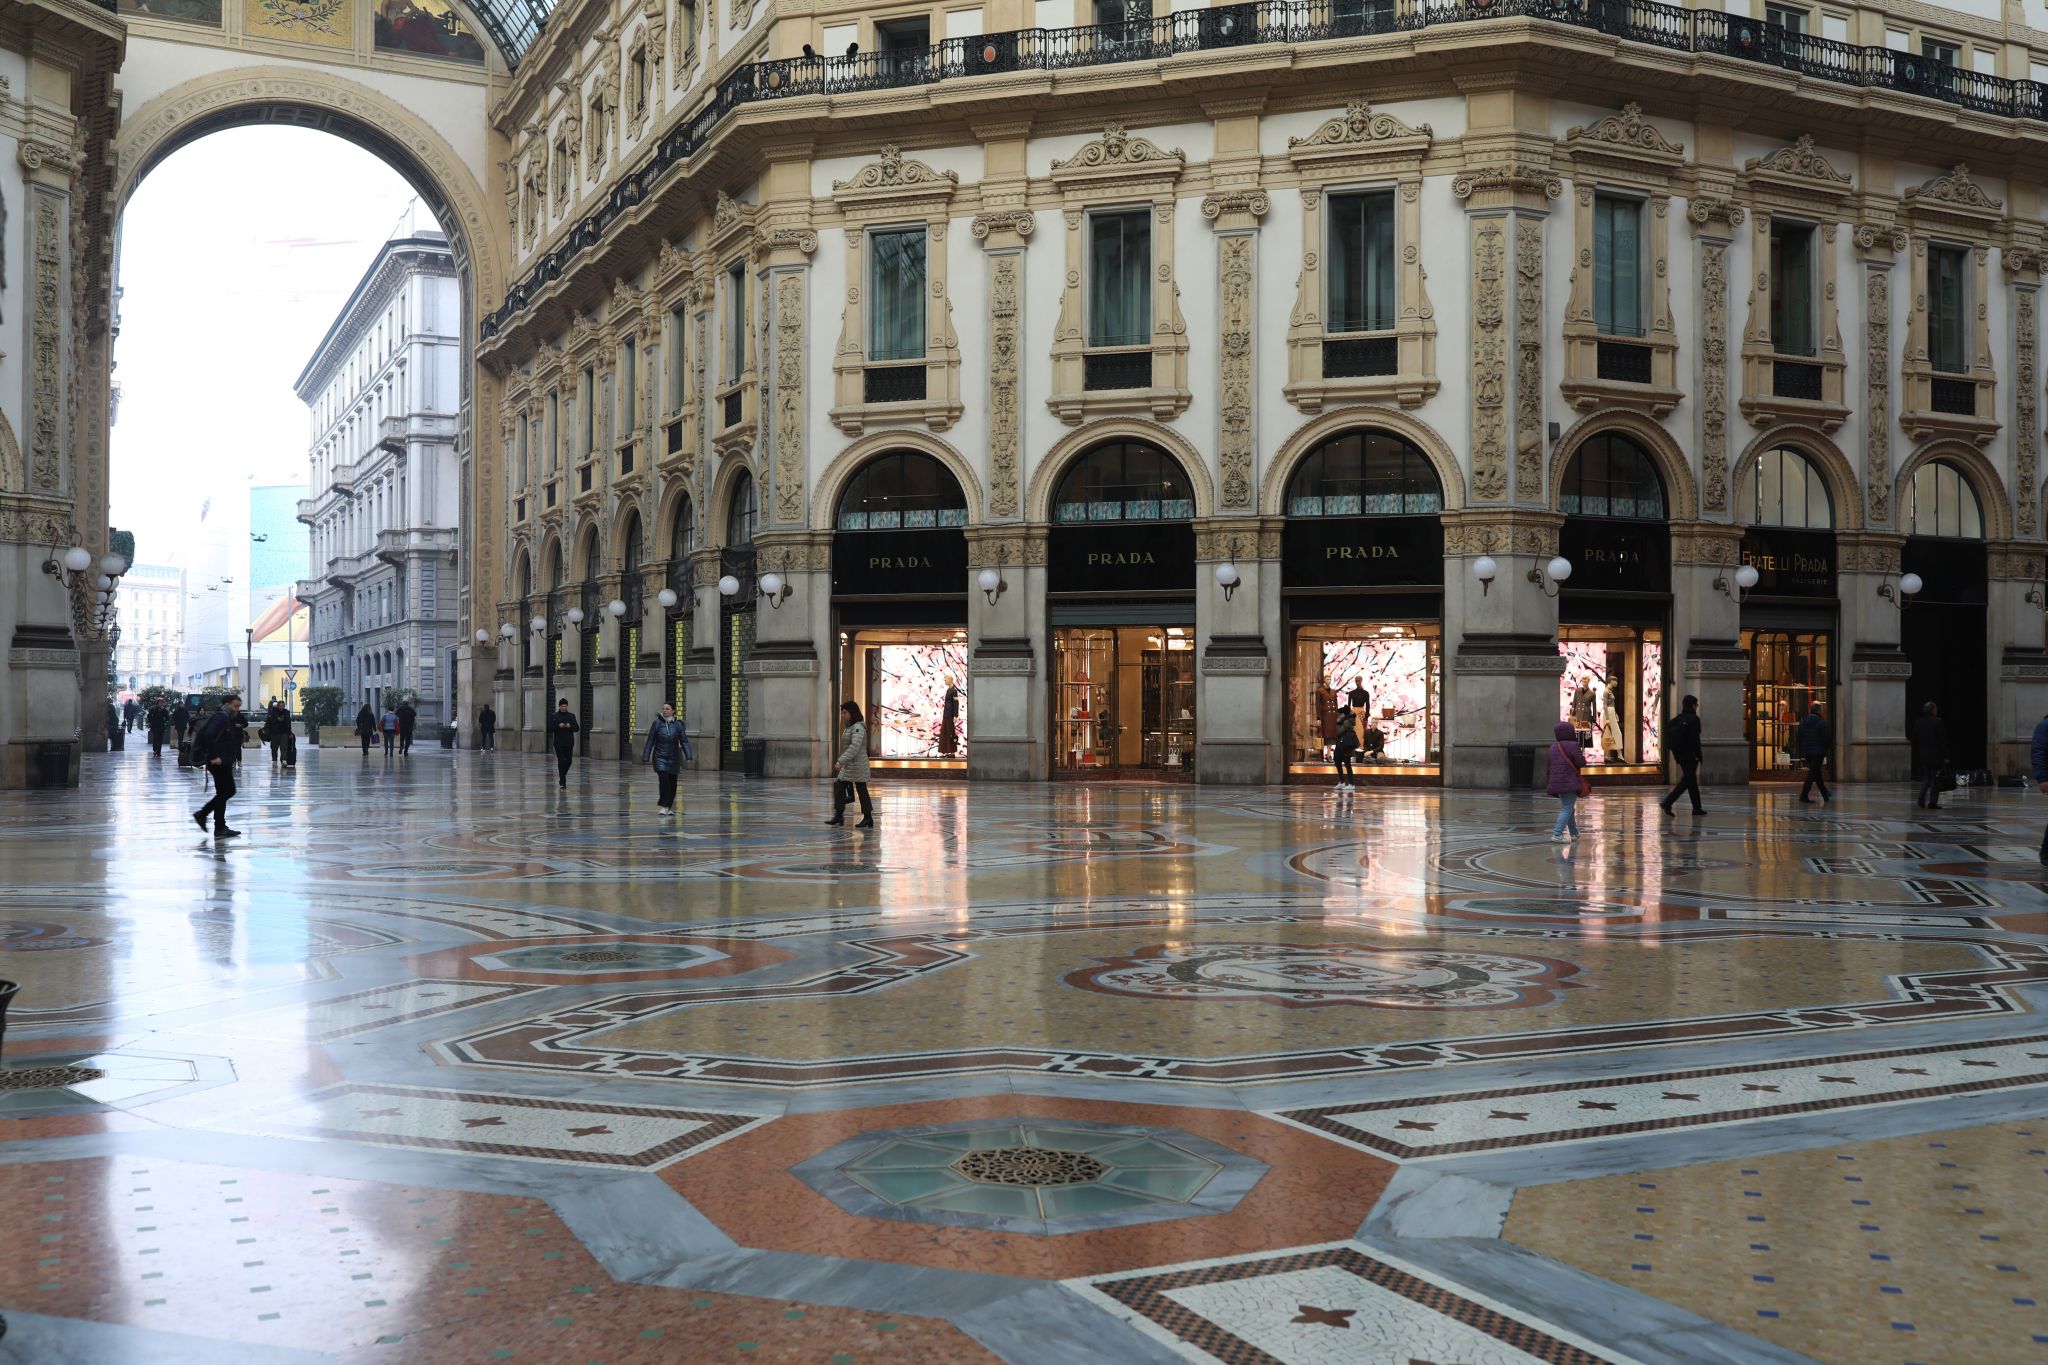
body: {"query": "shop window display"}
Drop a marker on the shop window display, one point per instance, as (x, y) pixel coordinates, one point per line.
(912, 684)
(1125, 699)
(1391, 676)
(1612, 692)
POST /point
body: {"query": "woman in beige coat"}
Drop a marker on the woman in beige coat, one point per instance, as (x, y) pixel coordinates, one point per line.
(850, 773)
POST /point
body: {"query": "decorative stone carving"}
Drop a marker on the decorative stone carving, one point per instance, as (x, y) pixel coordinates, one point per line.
(1801, 161)
(1714, 372)
(2026, 431)
(1880, 236)
(1244, 204)
(46, 343)
(1529, 359)
(1489, 360)
(1627, 129)
(1235, 327)
(1705, 209)
(1956, 188)
(726, 213)
(1511, 178)
(1004, 401)
(1117, 148)
(789, 397)
(893, 171)
(801, 240)
(1877, 405)
(34, 156)
(1023, 222)
(1359, 124)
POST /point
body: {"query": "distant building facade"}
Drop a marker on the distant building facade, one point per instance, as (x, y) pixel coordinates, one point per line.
(384, 389)
(152, 627)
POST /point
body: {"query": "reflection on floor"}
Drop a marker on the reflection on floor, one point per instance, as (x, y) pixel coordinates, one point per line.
(437, 1064)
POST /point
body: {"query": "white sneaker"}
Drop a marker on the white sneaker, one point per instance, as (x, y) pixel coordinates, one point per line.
(662, 810)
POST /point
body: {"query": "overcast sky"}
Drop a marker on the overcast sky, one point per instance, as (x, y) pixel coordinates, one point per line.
(236, 253)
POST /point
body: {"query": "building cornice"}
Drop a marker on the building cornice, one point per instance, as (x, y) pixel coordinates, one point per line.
(397, 261)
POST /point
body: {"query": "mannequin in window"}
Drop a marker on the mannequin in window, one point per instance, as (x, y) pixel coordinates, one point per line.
(1360, 699)
(949, 719)
(1611, 731)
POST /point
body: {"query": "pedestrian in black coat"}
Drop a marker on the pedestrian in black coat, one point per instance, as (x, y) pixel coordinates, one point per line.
(666, 748)
(1682, 742)
(1816, 740)
(159, 720)
(408, 721)
(218, 747)
(366, 727)
(487, 726)
(1929, 733)
(563, 728)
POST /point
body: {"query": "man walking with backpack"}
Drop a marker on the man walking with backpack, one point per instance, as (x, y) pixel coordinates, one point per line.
(217, 747)
(1682, 741)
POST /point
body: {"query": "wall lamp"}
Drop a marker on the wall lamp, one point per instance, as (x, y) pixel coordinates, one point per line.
(575, 616)
(1745, 579)
(507, 631)
(1551, 576)
(483, 637)
(991, 583)
(538, 625)
(1227, 578)
(1908, 585)
(2037, 596)
(1485, 570)
(774, 591)
(667, 598)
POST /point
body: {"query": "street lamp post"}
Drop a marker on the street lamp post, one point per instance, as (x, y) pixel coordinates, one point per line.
(249, 668)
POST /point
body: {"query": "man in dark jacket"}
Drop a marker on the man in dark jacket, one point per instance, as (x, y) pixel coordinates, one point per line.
(487, 727)
(1929, 733)
(159, 720)
(181, 719)
(408, 721)
(1816, 741)
(2041, 772)
(130, 709)
(217, 747)
(1682, 740)
(562, 730)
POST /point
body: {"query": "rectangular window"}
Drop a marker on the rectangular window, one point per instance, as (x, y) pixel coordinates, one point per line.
(639, 82)
(629, 387)
(678, 320)
(1948, 309)
(1617, 266)
(1791, 288)
(1119, 278)
(1361, 262)
(896, 294)
(554, 440)
(522, 453)
(1937, 50)
(735, 324)
(586, 401)
(1787, 17)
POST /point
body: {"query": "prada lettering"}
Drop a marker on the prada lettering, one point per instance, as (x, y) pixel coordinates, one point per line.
(1788, 563)
(900, 562)
(1361, 552)
(1598, 554)
(1128, 557)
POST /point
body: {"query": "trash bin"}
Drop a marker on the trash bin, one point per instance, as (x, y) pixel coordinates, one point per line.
(7, 990)
(1522, 767)
(754, 757)
(53, 765)
(447, 736)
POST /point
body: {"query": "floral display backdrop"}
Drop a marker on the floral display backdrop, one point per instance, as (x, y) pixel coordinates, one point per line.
(907, 707)
(1586, 661)
(1399, 674)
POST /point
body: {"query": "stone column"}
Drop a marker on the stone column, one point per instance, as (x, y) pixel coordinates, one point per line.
(1503, 661)
(705, 712)
(1870, 729)
(2019, 596)
(1238, 675)
(1706, 631)
(1007, 701)
(789, 701)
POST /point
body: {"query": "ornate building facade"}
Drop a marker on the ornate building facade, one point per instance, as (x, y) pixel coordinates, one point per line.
(1128, 399)
(383, 391)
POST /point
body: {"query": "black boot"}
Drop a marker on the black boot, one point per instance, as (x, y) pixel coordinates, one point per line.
(223, 832)
(199, 818)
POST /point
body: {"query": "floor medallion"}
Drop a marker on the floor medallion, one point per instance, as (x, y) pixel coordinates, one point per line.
(1309, 976)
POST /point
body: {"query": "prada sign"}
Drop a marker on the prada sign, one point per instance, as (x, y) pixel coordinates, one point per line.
(1616, 556)
(1790, 563)
(899, 563)
(1128, 556)
(1354, 552)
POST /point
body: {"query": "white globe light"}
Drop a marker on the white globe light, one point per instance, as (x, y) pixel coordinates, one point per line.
(1226, 574)
(1746, 577)
(989, 580)
(667, 597)
(771, 583)
(113, 566)
(1485, 569)
(1910, 584)
(78, 559)
(1559, 569)
(615, 607)
(538, 624)
(507, 630)
(575, 616)
(728, 586)
(103, 582)
(483, 637)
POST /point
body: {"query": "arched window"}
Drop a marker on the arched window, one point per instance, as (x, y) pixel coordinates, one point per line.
(555, 566)
(902, 490)
(743, 514)
(1611, 476)
(1124, 481)
(525, 578)
(1786, 489)
(1942, 503)
(630, 561)
(1364, 473)
(682, 534)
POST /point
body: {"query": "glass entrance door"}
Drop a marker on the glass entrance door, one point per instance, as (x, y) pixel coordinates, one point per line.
(1788, 672)
(1124, 701)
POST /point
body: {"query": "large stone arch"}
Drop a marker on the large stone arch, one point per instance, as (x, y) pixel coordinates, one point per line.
(825, 497)
(1273, 492)
(1671, 462)
(1038, 501)
(1844, 488)
(1981, 474)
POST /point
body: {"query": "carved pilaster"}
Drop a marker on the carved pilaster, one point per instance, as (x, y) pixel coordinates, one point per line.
(789, 398)
(47, 349)
(1236, 215)
(1489, 360)
(1529, 484)
(1877, 403)
(1006, 325)
(2024, 265)
(1714, 371)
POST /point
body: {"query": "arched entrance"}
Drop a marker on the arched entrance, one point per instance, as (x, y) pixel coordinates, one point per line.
(736, 565)
(1942, 627)
(1789, 617)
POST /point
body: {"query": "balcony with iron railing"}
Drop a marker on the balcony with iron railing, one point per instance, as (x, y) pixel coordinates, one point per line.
(1186, 33)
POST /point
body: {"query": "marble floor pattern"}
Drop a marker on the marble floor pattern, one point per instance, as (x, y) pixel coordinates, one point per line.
(439, 1064)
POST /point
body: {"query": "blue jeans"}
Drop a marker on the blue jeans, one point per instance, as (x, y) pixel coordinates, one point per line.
(1567, 815)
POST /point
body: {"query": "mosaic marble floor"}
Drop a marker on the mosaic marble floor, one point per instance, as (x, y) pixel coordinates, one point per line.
(438, 1064)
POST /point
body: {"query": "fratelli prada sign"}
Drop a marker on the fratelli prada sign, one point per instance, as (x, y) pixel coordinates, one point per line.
(1616, 556)
(1125, 556)
(899, 563)
(1790, 563)
(1353, 552)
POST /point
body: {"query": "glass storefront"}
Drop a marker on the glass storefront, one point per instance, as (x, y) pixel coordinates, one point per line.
(1124, 700)
(912, 686)
(1788, 617)
(1390, 675)
(1612, 691)
(1789, 671)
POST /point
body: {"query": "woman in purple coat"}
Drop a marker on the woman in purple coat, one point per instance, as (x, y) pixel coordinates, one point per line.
(1566, 758)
